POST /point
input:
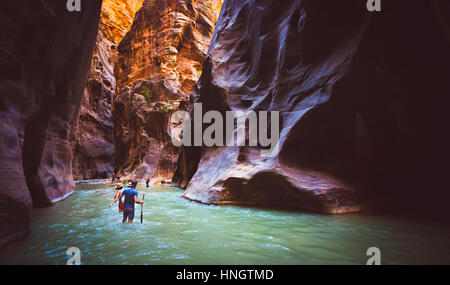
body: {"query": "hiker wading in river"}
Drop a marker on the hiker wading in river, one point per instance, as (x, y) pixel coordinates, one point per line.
(118, 196)
(130, 198)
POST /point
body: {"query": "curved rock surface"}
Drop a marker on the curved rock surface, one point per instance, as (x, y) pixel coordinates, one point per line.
(362, 101)
(94, 140)
(160, 59)
(45, 53)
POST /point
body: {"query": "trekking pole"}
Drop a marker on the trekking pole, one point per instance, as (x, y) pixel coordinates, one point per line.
(142, 208)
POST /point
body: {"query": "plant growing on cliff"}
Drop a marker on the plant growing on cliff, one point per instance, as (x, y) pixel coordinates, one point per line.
(166, 108)
(146, 93)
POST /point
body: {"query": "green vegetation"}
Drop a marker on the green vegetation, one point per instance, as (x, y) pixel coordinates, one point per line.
(166, 108)
(146, 93)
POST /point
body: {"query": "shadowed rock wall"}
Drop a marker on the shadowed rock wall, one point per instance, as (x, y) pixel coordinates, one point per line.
(362, 98)
(45, 52)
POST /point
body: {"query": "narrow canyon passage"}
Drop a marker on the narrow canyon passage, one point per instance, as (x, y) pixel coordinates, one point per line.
(362, 116)
(177, 231)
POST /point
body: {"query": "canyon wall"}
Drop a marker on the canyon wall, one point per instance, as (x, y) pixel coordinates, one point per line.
(94, 141)
(362, 99)
(160, 59)
(45, 52)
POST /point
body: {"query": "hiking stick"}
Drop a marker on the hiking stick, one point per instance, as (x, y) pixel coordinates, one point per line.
(142, 208)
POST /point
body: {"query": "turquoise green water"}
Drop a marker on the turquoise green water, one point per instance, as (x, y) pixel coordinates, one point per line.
(177, 231)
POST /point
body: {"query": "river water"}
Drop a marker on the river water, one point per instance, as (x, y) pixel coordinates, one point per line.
(178, 231)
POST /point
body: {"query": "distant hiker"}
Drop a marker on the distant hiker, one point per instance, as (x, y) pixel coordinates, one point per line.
(147, 182)
(130, 198)
(118, 196)
(113, 177)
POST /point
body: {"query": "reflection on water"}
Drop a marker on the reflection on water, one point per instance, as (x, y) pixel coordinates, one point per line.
(177, 231)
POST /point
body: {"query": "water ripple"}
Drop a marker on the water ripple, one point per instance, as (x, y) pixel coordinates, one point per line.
(178, 231)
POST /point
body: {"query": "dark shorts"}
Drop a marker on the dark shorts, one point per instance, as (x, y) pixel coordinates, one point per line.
(128, 213)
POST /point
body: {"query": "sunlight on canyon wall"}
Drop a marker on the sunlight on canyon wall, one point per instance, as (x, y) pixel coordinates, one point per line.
(93, 143)
(160, 59)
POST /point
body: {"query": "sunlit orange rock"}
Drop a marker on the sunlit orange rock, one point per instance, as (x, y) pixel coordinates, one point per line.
(94, 147)
(160, 59)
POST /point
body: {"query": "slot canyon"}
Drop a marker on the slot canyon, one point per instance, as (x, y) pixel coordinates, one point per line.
(363, 102)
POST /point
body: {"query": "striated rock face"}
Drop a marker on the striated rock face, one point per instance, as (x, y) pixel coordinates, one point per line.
(45, 52)
(362, 101)
(160, 59)
(94, 141)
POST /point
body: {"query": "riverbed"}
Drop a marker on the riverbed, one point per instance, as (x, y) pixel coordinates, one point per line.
(178, 231)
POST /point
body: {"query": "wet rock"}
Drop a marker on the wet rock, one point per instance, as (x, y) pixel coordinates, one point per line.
(361, 98)
(45, 53)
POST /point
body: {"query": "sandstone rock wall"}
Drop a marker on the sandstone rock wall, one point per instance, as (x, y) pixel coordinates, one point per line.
(94, 141)
(45, 52)
(362, 98)
(160, 59)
